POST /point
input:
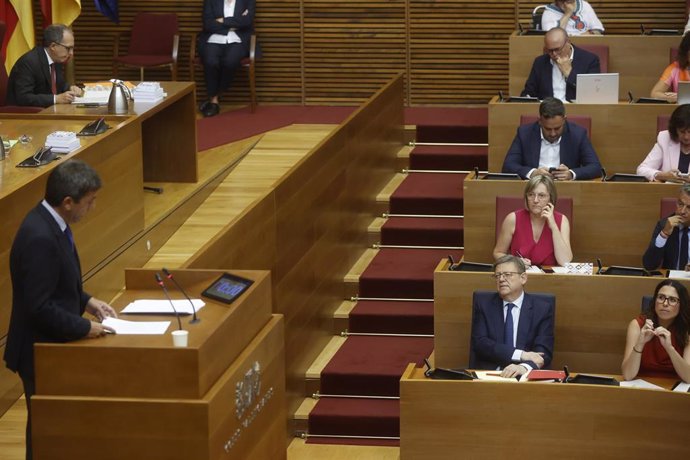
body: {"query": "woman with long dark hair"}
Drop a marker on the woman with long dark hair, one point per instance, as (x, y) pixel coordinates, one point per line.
(657, 342)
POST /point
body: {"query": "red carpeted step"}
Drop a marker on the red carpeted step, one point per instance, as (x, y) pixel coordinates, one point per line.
(372, 365)
(355, 417)
(428, 193)
(403, 273)
(449, 158)
(445, 124)
(392, 317)
(423, 231)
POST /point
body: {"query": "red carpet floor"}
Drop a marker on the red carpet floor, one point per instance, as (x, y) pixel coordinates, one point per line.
(433, 123)
(374, 364)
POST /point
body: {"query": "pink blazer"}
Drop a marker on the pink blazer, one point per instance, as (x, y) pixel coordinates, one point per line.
(663, 157)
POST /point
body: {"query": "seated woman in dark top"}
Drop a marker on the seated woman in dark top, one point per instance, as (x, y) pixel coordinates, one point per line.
(657, 341)
(537, 234)
(669, 159)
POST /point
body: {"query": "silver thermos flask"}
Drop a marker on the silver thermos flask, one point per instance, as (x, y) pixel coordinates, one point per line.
(117, 102)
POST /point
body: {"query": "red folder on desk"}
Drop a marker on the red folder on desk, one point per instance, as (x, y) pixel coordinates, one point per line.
(545, 374)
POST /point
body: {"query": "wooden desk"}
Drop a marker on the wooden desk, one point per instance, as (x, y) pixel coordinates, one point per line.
(442, 419)
(221, 397)
(592, 316)
(119, 211)
(622, 134)
(168, 131)
(611, 221)
(639, 59)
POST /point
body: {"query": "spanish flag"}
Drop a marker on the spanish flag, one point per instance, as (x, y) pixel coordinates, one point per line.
(19, 36)
(62, 11)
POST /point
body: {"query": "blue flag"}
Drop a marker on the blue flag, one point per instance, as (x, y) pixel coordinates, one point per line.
(108, 8)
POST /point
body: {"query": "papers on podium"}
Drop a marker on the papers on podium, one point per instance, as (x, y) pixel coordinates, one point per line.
(124, 327)
(63, 141)
(639, 383)
(162, 307)
(679, 274)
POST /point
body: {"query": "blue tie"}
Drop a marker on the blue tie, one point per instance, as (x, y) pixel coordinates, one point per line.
(70, 237)
(508, 326)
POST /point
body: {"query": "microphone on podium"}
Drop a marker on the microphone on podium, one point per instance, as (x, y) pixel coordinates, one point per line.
(169, 276)
(159, 280)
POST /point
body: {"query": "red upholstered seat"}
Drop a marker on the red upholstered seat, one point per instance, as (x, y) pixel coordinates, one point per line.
(662, 122)
(602, 52)
(667, 206)
(154, 43)
(672, 54)
(507, 204)
(580, 120)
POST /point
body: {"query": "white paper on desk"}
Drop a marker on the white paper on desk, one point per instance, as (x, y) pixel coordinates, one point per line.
(682, 274)
(484, 375)
(162, 307)
(560, 270)
(639, 383)
(682, 387)
(137, 327)
(534, 269)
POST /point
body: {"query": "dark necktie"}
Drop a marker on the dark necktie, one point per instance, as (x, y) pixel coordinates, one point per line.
(683, 256)
(70, 237)
(53, 79)
(508, 326)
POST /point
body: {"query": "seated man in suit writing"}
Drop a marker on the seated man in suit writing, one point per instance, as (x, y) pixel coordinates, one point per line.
(554, 73)
(668, 247)
(37, 78)
(553, 147)
(514, 330)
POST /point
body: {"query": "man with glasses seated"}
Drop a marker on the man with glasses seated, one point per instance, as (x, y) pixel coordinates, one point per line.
(37, 78)
(668, 247)
(512, 330)
(554, 73)
(552, 147)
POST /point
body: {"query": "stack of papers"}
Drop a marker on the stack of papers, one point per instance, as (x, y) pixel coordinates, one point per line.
(148, 91)
(162, 307)
(63, 141)
(137, 327)
(95, 94)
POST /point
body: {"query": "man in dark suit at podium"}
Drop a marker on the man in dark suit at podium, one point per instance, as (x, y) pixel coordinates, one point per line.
(668, 247)
(512, 330)
(552, 146)
(47, 296)
(554, 73)
(37, 78)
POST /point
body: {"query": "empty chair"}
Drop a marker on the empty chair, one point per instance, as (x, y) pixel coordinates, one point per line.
(153, 43)
(602, 52)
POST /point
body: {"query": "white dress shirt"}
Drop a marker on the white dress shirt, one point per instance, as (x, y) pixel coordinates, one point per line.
(515, 312)
(231, 36)
(558, 79)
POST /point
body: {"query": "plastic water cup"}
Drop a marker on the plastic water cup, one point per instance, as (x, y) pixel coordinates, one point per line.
(180, 338)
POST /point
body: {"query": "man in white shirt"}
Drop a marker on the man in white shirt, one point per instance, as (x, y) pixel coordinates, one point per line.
(554, 73)
(577, 17)
(552, 146)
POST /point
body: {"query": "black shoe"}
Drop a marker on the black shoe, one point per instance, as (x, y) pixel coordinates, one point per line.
(204, 106)
(211, 110)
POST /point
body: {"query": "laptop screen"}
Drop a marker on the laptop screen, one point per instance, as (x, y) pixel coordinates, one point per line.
(597, 88)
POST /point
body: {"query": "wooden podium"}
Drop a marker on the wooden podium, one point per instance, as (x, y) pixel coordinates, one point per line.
(138, 397)
(442, 419)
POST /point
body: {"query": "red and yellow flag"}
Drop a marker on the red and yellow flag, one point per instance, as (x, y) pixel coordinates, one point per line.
(19, 36)
(64, 11)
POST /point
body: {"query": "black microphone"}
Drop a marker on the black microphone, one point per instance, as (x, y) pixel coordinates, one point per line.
(603, 174)
(170, 277)
(159, 280)
(599, 265)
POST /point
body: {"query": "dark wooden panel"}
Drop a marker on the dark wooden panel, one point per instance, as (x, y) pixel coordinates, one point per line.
(330, 52)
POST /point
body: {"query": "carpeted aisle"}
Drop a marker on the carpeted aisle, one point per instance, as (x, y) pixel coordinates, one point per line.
(371, 365)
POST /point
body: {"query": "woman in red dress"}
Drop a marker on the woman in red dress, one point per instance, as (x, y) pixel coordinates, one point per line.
(657, 342)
